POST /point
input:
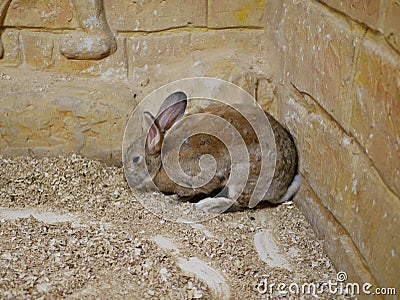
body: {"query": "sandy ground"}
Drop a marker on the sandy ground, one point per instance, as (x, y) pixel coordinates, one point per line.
(71, 227)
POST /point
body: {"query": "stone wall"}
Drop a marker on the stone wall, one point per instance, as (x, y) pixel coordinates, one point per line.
(328, 70)
(87, 102)
(336, 70)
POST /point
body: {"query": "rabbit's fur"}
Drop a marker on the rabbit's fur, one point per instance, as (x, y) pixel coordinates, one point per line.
(284, 183)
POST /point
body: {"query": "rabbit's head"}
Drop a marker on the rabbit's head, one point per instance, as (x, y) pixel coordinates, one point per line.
(142, 159)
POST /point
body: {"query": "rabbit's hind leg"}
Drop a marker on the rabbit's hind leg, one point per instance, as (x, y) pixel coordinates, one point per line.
(214, 205)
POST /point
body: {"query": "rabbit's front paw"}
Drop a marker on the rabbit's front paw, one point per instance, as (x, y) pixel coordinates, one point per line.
(214, 205)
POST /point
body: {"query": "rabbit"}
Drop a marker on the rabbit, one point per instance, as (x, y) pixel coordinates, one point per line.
(146, 170)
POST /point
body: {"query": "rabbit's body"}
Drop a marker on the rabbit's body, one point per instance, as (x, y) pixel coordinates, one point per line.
(228, 193)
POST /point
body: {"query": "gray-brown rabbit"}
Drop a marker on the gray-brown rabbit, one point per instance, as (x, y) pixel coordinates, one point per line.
(146, 171)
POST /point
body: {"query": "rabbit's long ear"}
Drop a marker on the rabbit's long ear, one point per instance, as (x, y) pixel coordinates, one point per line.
(171, 110)
(154, 138)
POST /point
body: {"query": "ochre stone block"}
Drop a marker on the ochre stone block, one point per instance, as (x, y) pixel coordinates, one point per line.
(376, 113)
(12, 56)
(51, 14)
(48, 115)
(121, 16)
(163, 49)
(245, 13)
(155, 15)
(265, 95)
(392, 23)
(40, 51)
(112, 67)
(38, 48)
(342, 176)
(365, 11)
(156, 59)
(276, 23)
(236, 41)
(321, 49)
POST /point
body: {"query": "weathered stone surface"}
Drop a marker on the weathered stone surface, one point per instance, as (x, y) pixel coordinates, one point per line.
(368, 12)
(392, 23)
(156, 15)
(320, 59)
(142, 15)
(52, 14)
(164, 49)
(40, 51)
(12, 55)
(112, 67)
(277, 20)
(246, 13)
(49, 115)
(170, 48)
(121, 16)
(335, 237)
(342, 176)
(327, 57)
(265, 95)
(155, 60)
(315, 50)
(376, 114)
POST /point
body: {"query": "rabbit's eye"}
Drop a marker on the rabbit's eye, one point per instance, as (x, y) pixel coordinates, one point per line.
(136, 160)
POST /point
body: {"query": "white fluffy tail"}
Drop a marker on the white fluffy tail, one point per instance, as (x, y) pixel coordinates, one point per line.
(292, 189)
